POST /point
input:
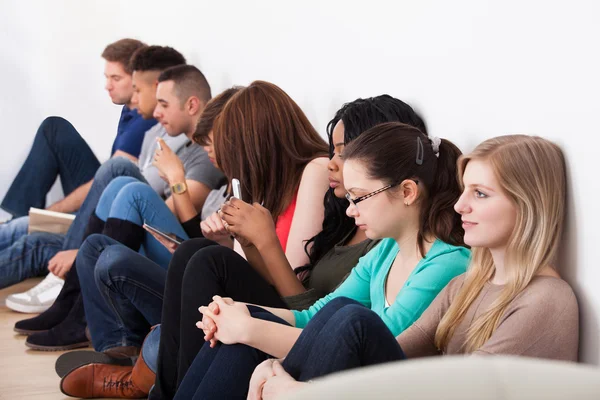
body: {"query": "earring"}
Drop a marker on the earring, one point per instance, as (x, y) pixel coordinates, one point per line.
(406, 203)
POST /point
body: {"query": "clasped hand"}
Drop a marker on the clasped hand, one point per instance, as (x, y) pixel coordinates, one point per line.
(224, 320)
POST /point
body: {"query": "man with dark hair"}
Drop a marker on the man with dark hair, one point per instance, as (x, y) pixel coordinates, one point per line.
(59, 151)
(62, 326)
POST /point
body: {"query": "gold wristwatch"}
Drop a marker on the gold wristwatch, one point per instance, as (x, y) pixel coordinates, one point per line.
(179, 188)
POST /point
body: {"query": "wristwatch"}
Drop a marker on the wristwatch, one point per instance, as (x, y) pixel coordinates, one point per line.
(179, 188)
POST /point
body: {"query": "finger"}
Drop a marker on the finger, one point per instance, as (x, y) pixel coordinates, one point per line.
(278, 369)
(228, 300)
(214, 307)
(219, 300)
(205, 311)
(211, 225)
(227, 209)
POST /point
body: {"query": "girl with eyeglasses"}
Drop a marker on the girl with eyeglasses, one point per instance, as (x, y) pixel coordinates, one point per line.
(402, 187)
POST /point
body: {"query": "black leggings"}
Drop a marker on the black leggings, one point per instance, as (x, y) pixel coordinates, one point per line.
(200, 269)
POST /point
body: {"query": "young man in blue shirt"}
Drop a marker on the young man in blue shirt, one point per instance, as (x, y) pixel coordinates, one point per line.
(60, 151)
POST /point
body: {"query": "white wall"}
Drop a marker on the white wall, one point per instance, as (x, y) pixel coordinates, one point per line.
(474, 68)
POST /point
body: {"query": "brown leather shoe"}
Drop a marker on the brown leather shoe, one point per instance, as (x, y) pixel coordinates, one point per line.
(102, 381)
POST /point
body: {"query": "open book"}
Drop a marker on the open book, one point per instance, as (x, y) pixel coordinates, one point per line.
(49, 221)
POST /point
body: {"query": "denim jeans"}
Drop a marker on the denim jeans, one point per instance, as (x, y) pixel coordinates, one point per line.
(58, 150)
(28, 257)
(342, 335)
(129, 199)
(13, 234)
(113, 168)
(122, 292)
(12, 231)
(150, 348)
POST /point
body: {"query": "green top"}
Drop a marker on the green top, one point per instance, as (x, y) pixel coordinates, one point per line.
(366, 283)
(329, 272)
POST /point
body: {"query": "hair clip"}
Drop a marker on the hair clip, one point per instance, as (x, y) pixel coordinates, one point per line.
(420, 152)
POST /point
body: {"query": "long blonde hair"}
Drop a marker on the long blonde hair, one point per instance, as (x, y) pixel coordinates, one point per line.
(531, 172)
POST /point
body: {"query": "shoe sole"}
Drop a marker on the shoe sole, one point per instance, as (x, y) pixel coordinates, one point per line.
(27, 332)
(57, 348)
(25, 309)
(76, 359)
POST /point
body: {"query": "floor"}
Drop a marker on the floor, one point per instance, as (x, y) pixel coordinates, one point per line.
(24, 374)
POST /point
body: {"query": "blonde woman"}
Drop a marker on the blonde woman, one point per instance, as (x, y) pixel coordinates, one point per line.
(510, 301)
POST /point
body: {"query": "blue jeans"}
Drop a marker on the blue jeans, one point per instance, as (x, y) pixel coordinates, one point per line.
(58, 150)
(122, 292)
(342, 335)
(128, 199)
(28, 257)
(13, 234)
(113, 168)
(12, 231)
(150, 348)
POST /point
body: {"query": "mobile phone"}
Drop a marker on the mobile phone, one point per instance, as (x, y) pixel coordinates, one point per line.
(237, 189)
(169, 236)
(158, 145)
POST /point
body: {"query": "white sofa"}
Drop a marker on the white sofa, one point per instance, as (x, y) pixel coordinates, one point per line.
(461, 378)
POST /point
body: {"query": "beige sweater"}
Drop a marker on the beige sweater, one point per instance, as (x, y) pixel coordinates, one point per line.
(543, 321)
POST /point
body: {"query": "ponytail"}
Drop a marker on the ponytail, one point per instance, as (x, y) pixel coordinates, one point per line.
(437, 214)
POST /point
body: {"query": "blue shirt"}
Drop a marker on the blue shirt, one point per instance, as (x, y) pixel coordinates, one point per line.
(130, 132)
(366, 283)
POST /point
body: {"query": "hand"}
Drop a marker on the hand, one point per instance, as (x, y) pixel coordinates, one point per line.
(249, 223)
(171, 246)
(280, 383)
(208, 324)
(168, 164)
(231, 321)
(260, 375)
(213, 229)
(62, 262)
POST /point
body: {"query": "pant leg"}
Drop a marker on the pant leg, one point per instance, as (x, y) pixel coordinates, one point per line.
(12, 231)
(150, 348)
(352, 336)
(122, 292)
(58, 150)
(168, 351)
(138, 203)
(217, 270)
(224, 372)
(28, 257)
(115, 167)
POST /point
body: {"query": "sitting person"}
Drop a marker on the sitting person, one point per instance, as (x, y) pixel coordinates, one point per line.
(511, 301)
(337, 248)
(199, 178)
(59, 151)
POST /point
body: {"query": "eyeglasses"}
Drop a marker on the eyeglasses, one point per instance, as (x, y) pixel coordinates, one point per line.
(357, 200)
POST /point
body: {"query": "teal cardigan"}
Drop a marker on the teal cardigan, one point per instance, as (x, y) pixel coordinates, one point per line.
(366, 283)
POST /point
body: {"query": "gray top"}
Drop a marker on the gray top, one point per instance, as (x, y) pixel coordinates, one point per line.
(195, 161)
(214, 200)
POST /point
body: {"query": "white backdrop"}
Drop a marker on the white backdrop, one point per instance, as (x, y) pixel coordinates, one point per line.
(473, 68)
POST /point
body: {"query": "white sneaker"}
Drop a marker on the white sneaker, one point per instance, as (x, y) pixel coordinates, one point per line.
(37, 299)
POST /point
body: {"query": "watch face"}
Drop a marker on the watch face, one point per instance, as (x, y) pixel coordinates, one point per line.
(178, 188)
